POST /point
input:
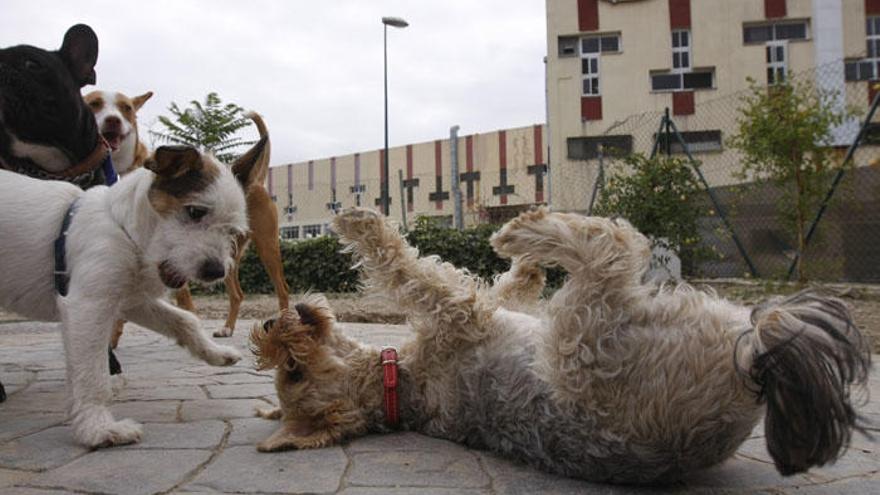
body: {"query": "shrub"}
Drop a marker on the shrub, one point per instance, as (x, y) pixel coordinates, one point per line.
(318, 265)
(657, 195)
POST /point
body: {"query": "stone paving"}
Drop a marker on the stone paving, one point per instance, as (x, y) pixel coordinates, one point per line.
(200, 431)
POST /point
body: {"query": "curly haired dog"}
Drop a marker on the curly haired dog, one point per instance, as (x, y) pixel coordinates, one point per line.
(618, 381)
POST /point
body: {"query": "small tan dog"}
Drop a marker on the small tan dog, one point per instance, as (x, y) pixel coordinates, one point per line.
(263, 220)
(618, 381)
(116, 115)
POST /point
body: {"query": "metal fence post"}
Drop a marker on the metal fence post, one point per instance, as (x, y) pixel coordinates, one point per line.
(715, 203)
(402, 199)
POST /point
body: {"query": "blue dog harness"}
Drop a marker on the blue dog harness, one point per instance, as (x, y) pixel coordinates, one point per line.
(62, 276)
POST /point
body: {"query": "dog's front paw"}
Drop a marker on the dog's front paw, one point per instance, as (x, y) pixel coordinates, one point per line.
(223, 332)
(222, 355)
(120, 432)
(273, 412)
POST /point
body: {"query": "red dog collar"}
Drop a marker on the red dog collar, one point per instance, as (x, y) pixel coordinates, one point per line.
(389, 370)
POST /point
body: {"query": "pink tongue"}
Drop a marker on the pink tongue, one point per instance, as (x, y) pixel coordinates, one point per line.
(114, 142)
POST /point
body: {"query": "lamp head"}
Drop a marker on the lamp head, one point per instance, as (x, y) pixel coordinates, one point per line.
(394, 22)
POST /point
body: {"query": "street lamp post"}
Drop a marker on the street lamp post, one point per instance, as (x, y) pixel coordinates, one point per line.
(386, 198)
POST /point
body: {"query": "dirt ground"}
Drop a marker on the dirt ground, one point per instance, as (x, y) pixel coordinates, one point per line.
(863, 299)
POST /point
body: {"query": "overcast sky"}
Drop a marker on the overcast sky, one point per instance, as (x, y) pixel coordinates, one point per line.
(314, 68)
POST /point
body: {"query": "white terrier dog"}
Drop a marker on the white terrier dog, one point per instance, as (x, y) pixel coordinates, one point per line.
(173, 220)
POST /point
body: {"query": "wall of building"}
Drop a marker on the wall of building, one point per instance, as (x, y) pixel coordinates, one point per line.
(628, 105)
(505, 170)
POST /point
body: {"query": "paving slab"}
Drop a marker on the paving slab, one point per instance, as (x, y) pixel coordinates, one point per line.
(244, 470)
(200, 434)
(134, 472)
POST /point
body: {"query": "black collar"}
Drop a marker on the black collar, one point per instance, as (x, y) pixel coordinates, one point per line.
(62, 277)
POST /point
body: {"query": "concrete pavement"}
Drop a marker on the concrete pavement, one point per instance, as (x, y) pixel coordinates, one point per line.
(200, 431)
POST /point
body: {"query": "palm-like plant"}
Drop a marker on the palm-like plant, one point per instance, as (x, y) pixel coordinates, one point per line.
(209, 126)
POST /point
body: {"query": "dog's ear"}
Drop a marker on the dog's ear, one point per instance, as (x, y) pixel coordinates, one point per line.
(138, 101)
(315, 313)
(80, 53)
(247, 168)
(174, 161)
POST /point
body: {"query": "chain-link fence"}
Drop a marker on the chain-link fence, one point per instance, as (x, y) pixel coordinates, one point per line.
(748, 221)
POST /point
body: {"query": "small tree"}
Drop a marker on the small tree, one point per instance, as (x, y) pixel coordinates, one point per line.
(784, 133)
(209, 126)
(657, 195)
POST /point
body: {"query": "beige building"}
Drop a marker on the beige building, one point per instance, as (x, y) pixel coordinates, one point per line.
(613, 67)
(500, 173)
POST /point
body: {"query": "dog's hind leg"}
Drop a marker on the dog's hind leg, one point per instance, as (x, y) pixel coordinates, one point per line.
(233, 289)
(424, 288)
(605, 260)
(236, 295)
(264, 233)
(184, 299)
(184, 327)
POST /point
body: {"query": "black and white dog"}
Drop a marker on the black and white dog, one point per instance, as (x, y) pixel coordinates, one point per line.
(46, 130)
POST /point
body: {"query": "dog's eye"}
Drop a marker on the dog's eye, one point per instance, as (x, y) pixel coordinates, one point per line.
(196, 212)
(295, 375)
(32, 65)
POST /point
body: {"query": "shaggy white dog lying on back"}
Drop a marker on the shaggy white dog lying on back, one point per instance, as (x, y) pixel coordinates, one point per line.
(618, 382)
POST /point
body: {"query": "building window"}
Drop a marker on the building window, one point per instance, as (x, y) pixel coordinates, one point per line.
(311, 231)
(683, 81)
(869, 67)
(591, 48)
(568, 46)
(587, 148)
(590, 74)
(777, 62)
(290, 233)
(681, 51)
(776, 31)
(697, 141)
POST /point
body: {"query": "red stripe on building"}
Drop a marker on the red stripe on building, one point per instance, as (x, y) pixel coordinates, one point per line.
(270, 182)
(311, 175)
(539, 158)
(381, 167)
(469, 163)
(409, 174)
(872, 7)
(438, 170)
(683, 103)
(774, 9)
(289, 179)
(680, 14)
(333, 173)
(588, 15)
(502, 154)
(591, 108)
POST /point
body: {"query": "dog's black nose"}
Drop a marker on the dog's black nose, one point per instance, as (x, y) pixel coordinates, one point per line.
(211, 270)
(268, 324)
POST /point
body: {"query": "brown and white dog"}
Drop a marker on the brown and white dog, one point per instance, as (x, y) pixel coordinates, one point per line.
(116, 115)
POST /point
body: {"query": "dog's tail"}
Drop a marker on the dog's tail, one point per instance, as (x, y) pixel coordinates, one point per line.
(261, 169)
(806, 354)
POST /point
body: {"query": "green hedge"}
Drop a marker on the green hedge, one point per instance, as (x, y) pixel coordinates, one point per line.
(317, 265)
